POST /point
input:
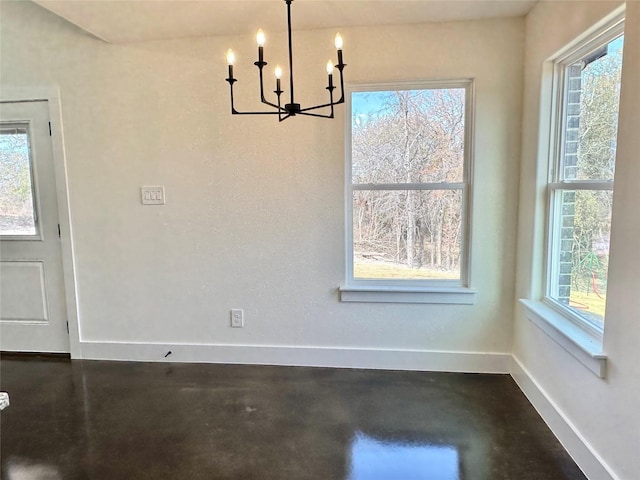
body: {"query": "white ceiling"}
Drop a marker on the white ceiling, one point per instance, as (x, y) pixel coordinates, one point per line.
(124, 21)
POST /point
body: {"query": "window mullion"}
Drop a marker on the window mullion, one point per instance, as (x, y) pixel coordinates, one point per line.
(582, 185)
(409, 186)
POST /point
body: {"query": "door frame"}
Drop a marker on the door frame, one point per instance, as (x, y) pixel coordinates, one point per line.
(52, 96)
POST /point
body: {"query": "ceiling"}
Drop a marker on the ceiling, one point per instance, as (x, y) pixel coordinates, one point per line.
(125, 21)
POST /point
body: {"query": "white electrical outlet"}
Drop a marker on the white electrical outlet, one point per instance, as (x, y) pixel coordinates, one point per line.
(237, 318)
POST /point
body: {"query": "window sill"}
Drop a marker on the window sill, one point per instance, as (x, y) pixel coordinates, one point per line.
(583, 346)
(442, 295)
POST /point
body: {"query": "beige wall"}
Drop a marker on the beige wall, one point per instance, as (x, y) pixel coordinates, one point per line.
(255, 209)
(605, 412)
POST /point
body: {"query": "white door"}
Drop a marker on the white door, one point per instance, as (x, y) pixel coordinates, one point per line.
(33, 315)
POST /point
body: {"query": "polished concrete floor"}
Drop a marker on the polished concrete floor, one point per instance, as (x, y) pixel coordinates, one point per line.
(109, 420)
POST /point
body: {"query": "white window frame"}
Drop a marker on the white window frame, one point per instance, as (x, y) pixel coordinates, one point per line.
(556, 185)
(35, 200)
(579, 337)
(405, 290)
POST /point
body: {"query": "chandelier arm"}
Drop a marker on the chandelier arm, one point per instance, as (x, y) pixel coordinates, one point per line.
(262, 97)
(274, 106)
(340, 67)
(319, 115)
(231, 81)
(278, 92)
(324, 105)
(235, 112)
(330, 88)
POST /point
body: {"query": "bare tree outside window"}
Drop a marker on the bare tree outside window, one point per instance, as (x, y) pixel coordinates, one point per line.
(408, 183)
(17, 215)
(581, 192)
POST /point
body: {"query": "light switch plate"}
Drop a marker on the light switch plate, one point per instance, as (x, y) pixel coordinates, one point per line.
(152, 195)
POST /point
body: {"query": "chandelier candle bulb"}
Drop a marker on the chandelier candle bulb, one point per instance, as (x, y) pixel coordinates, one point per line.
(260, 39)
(231, 58)
(339, 42)
(278, 75)
(330, 73)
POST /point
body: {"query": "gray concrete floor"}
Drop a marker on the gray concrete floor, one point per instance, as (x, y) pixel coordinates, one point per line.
(111, 420)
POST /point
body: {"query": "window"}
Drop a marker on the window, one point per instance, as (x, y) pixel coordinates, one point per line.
(408, 185)
(580, 189)
(17, 206)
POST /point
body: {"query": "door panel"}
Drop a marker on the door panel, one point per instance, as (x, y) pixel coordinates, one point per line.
(22, 291)
(33, 315)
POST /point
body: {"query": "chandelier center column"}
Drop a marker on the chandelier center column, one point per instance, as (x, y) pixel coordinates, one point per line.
(290, 50)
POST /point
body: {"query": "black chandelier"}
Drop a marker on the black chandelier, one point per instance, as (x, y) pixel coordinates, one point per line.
(290, 109)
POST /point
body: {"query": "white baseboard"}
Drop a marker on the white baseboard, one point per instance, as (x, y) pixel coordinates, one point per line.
(423, 360)
(593, 466)
(583, 454)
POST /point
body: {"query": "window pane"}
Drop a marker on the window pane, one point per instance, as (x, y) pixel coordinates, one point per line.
(408, 136)
(407, 234)
(591, 114)
(582, 252)
(16, 190)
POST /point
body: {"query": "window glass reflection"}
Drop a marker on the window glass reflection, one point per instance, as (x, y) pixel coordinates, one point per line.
(373, 459)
